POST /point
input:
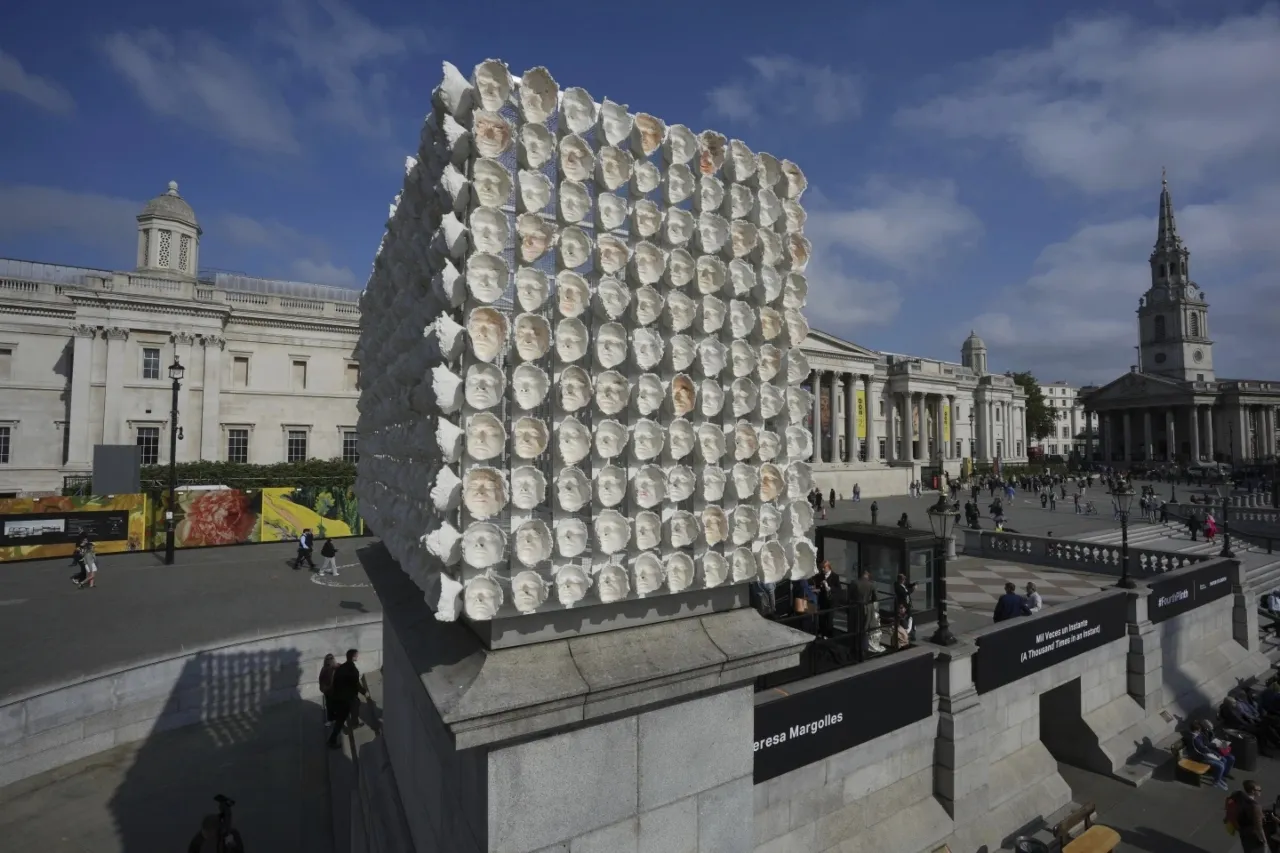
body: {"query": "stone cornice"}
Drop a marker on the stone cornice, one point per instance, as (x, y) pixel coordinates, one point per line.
(184, 338)
(36, 310)
(298, 323)
(208, 341)
(184, 309)
(115, 333)
(83, 330)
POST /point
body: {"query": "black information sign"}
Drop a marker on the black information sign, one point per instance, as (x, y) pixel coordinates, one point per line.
(1027, 645)
(808, 726)
(56, 528)
(1197, 587)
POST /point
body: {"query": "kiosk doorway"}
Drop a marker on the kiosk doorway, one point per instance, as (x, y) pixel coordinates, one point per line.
(1064, 732)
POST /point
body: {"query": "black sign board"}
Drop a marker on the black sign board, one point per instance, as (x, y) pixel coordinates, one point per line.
(1026, 645)
(55, 528)
(810, 725)
(1196, 587)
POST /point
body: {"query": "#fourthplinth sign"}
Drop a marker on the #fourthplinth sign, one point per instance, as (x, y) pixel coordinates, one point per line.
(580, 346)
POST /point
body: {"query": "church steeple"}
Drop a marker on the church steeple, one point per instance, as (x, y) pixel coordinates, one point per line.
(1169, 257)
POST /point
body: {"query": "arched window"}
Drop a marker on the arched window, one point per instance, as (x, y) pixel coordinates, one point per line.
(1164, 271)
(1195, 324)
(1184, 267)
(1159, 330)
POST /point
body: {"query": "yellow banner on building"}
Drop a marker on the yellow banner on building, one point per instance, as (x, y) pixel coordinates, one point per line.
(862, 413)
(946, 424)
(37, 528)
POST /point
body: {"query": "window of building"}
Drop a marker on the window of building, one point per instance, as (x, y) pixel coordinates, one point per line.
(997, 414)
(166, 240)
(1159, 330)
(881, 449)
(1000, 449)
(1066, 432)
(840, 453)
(973, 448)
(1199, 377)
(350, 446)
(1053, 450)
(149, 444)
(238, 445)
(6, 363)
(353, 377)
(146, 249)
(184, 251)
(882, 415)
(1195, 324)
(296, 446)
(959, 448)
(299, 375)
(1019, 446)
(6, 436)
(150, 363)
(240, 371)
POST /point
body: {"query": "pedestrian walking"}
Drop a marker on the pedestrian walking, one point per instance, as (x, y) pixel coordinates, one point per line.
(875, 512)
(857, 493)
(831, 500)
(328, 553)
(327, 670)
(77, 558)
(90, 560)
(344, 696)
(305, 543)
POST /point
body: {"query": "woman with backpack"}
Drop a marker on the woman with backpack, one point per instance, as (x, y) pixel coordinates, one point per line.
(328, 563)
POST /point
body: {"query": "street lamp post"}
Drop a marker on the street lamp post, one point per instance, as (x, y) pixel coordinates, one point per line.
(941, 520)
(1224, 491)
(176, 371)
(973, 442)
(1123, 494)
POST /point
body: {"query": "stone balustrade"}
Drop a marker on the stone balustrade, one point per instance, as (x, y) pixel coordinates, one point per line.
(1096, 557)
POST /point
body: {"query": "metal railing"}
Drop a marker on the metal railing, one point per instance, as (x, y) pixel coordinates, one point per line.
(1252, 536)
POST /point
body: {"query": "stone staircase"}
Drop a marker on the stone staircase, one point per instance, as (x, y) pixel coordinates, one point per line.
(1262, 570)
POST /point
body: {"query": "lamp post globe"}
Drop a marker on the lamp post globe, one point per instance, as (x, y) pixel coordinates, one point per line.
(1224, 492)
(176, 372)
(942, 522)
(1122, 495)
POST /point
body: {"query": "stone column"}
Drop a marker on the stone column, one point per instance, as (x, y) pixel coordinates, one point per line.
(1108, 445)
(990, 431)
(112, 427)
(1128, 437)
(1269, 418)
(816, 384)
(921, 437)
(873, 449)
(850, 419)
(1148, 447)
(182, 342)
(1088, 437)
(833, 443)
(79, 443)
(1208, 432)
(962, 764)
(904, 446)
(1170, 436)
(210, 408)
(951, 418)
(1195, 433)
(1145, 664)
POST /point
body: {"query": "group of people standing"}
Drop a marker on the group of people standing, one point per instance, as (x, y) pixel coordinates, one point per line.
(328, 553)
(341, 686)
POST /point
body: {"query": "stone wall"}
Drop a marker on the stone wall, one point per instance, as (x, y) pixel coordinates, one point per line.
(875, 481)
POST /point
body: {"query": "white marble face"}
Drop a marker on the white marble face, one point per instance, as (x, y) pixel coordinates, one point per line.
(536, 236)
(613, 167)
(743, 563)
(571, 294)
(770, 248)
(744, 441)
(745, 397)
(711, 355)
(574, 247)
(571, 339)
(745, 480)
(572, 489)
(577, 110)
(574, 202)
(770, 283)
(646, 439)
(611, 211)
(612, 252)
(798, 403)
(743, 358)
(649, 263)
(649, 394)
(535, 190)
(647, 134)
(572, 583)
(712, 149)
(679, 572)
(447, 489)
(767, 209)
(485, 436)
(611, 439)
(575, 389)
(742, 238)
(801, 515)
(650, 486)
(487, 277)
(682, 352)
(612, 531)
(532, 336)
(484, 492)
(612, 585)
(773, 562)
(742, 319)
(681, 145)
(645, 178)
(710, 442)
(611, 485)
(713, 232)
(768, 170)
(797, 327)
(491, 134)
(710, 194)
(481, 598)
(771, 484)
(615, 122)
(795, 292)
(531, 288)
(529, 384)
(538, 91)
(647, 218)
(680, 483)
(613, 392)
(804, 562)
(794, 181)
(678, 184)
(485, 384)
(648, 530)
(771, 401)
(536, 148)
(713, 480)
(714, 525)
(528, 487)
(742, 278)
(799, 250)
(681, 311)
(710, 275)
(739, 201)
(712, 397)
(679, 227)
(613, 298)
(715, 569)
(528, 590)
(712, 315)
(529, 438)
(797, 366)
(769, 520)
(799, 478)
(799, 442)
(681, 439)
(648, 572)
(647, 344)
(487, 329)
(769, 362)
(794, 216)
(680, 268)
(576, 160)
(449, 439)
(768, 445)
(491, 183)
(571, 537)
(770, 323)
(683, 396)
(492, 84)
(611, 345)
(533, 543)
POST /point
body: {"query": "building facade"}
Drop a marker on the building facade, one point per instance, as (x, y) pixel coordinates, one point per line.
(1172, 407)
(1063, 401)
(269, 372)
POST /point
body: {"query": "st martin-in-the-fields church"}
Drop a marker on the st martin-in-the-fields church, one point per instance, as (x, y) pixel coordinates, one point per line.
(1171, 407)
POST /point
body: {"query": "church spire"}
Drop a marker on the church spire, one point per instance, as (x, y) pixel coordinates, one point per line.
(1168, 257)
(1167, 231)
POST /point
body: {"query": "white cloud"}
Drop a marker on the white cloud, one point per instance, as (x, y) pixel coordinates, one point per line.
(305, 254)
(1109, 100)
(90, 219)
(786, 86)
(323, 272)
(40, 91)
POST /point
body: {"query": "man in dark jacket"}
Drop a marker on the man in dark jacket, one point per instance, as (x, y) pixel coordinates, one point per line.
(1252, 823)
(1011, 604)
(344, 695)
(305, 543)
(827, 584)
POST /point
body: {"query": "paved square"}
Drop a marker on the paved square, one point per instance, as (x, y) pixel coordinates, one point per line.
(976, 584)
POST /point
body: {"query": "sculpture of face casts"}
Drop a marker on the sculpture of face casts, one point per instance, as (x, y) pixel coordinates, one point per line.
(528, 590)
(447, 388)
(528, 386)
(612, 252)
(769, 445)
(484, 492)
(574, 248)
(487, 277)
(804, 559)
(611, 345)
(487, 328)
(768, 170)
(741, 162)
(770, 283)
(529, 438)
(645, 178)
(679, 227)
(647, 218)
(799, 478)
(744, 441)
(745, 524)
(648, 572)
(649, 263)
(745, 397)
(571, 340)
(769, 362)
(771, 401)
(712, 397)
(612, 531)
(713, 232)
(710, 195)
(715, 569)
(533, 336)
(773, 562)
(794, 216)
(572, 584)
(767, 209)
(799, 442)
(680, 311)
(613, 298)
(648, 530)
(615, 121)
(576, 160)
(797, 366)
(649, 394)
(485, 436)
(646, 439)
(484, 386)
(682, 352)
(535, 190)
(798, 402)
(795, 292)
(681, 440)
(794, 181)
(710, 275)
(573, 441)
(743, 563)
(536, 236)
(492, 84)
(611, 211)
(679, 572)
(577, 110)
(714, 526)
(680, 483)
(771, 486)
(611, 485)
(743, 358)
(536, 147)
(710, 442)
(538, 91)
(739, 202)
(801, 516)
(613, 392)
(648, 306)
(650, 486)
(770, 247)
(769, 520)
(491, 183)
(613, 167)
(678, 185)
(680, 145)
(447, 488)
(683, 397)
(572, 489)
(647, 134)
(797, 327)
(481, 598)
(483, 545)
(679, 268)
(574, 202)
(533, 543)
(571, 537)
(712, 315)
(611, 439)
(741, 276)
(713, 484)
(711, 151)
(770, 323)
(745, 480)
(742, 319)
(572, 293)
(531, 288)
(490, 134)
(799, 250)
(449, 440)
(575, 388)
(528, 487)
(742, 238)
(612, 585)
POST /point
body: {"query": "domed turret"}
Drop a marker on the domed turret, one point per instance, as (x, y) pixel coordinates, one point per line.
(169, 235)
(973, 354)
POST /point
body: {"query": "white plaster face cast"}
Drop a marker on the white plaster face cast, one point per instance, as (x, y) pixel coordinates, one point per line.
(768, 170)
(575, 389)
(769, 520)
(615, 122)
(611, 439)
(647, 134)
(743, 358)
(745, 480)
(798, 404)
(647, 218)
(612, 253)
(770, 248)
(679, 227)
(647, 569)
(574, 202)
(446, 491)
(611, 212)
(682, 352)
(492, 84)
(797, 366)
(613, 167)
(571, 339)
(645, 178)
(681, 439)
(743, 563)
(574, 247)
(531, 288)
(742, 319)
(742, 278)
(710, 274)
(713, 480)
(799, 478)
(680, 145)
(745, 397)
(481, 597)
(528, 590)
(769, 362)
(449, 440)
(490, 134)
(490, 183)
(710, 195)
(769, 445)
(484, 492)
(804, 562)
(529, 385)
(771, 401)
(773, 562)
(742, 238)
(613, 584)
(739, 202)
(713, 232)
(680, 311)
(682, 395)
(795, 292)
(771, 485)
(485, 436)
(794, 216)
(712, 315)
(711, 151)
(648, 530)
(799, 250)
(572, 584)
(744, 525)
(680, 268)
(714, 525)
(487, 329)
(529, 438)
(611, 485)
(678, 184)
(443, 542)
(612, 531)
(770, 283)
(571, 537)
(528, 487)
(532, 336)
(649, 263)
(447, 388)
(744, 441)
(536, 148)
(576, 160)
(485, 384)
(533, 543)
(767, 209)
(613, 392)
(712, 397)
(799, 442)
(801, 515)
(797, 327)
(572, 294)
(572, 489)
(649, 486)
(613, 298)
(611, 345)
(680, 483)
(649, 394)
(710, 442)
(489, 230)
(646, 439)
(715, 569)
(770, 323)
(647, 344)
(679, 572)
(577, 110)
(793, 181)
(449, 602)
(535, 236)
(711, 355)
(538, 91)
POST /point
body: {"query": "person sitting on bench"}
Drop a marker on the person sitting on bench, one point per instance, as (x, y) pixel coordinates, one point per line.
(1238, 715)
(1200, 744)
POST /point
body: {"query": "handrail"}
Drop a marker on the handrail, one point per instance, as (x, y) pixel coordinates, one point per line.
(841, 649)
(1180, 512)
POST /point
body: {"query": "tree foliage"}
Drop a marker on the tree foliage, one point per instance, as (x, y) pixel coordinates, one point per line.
(1040, 418)
(314, 473)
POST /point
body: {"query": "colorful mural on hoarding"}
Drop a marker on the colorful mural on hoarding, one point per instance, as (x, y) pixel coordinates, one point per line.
(327, 512)
(36, 528)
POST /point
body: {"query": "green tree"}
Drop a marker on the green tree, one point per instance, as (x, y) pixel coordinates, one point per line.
(1040, 418)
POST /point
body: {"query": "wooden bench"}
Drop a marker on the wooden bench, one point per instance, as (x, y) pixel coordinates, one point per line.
(1095, 838)
(1187, 769)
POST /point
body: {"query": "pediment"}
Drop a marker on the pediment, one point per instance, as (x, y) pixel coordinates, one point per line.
(821, 343)
(1134, 388)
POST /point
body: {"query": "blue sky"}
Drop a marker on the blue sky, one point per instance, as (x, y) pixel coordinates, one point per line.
(971, 165)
